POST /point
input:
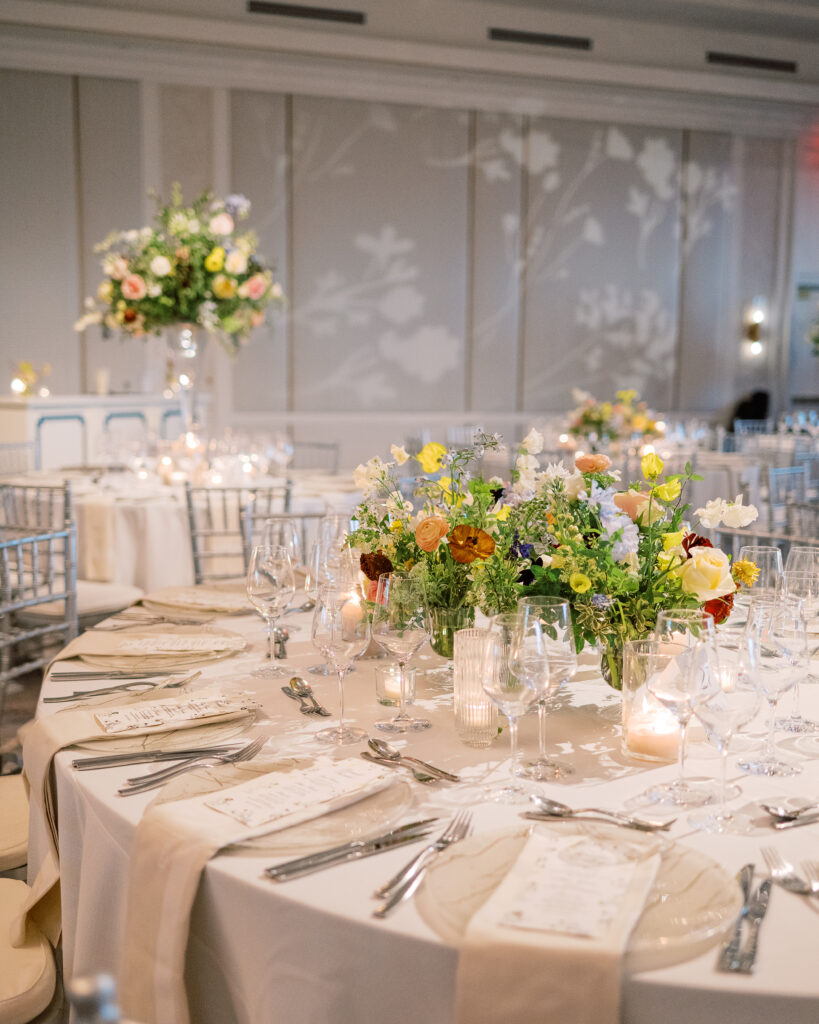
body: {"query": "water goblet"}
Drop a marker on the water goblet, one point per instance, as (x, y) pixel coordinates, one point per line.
(341, 631)
(555, 633)
(768, 560)
(331, 563)
(733, 705)
(802, 559)
(401, 626)
(804, 587)
(783, 660)
(283, 531)
(514, 694)
(271, 585)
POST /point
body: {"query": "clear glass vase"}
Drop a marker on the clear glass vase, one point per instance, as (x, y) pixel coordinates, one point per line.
(185, 374)
(444, 624)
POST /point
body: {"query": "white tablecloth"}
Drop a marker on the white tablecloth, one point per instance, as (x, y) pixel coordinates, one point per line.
(309, 952)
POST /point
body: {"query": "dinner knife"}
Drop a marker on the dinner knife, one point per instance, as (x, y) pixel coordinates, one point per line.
(350, 851)
(147, 756)
(757, 909)
(728, 954)
(102, 674)
(803, 819)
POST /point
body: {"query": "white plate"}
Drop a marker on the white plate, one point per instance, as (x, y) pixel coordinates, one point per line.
(199, 599)
(176, 739)
(362, 820)
(692, 903)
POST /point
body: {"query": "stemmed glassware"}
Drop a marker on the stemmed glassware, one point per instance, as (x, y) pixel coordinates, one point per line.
(734, 705)
(802, 584)
(768, 560)
(687, 679)
(331, 563)
(283, 531)
(401, 626)
(546, 623)
(505, 655)
(271, 585)
(341, 631)
(783, 660)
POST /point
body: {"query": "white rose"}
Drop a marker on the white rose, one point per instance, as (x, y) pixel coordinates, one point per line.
(527, 464)
(737, 515)
(707, 574)
(533, 442)
(221, 224)
(399, 454)
(236, 262)
(574, 485)
(160, 266)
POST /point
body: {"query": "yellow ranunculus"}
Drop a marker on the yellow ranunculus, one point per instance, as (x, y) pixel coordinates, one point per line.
(640, 423)
(579, 582)
(627, 396)
(669, 491)
(651, 465)
(223, 287)
(503, 513)
(671, 540)
(431, 457)
(215, 259)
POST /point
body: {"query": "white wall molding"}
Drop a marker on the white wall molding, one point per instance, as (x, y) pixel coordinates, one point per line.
(419, 74)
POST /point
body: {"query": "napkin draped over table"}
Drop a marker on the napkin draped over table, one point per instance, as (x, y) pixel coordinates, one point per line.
(524, 975)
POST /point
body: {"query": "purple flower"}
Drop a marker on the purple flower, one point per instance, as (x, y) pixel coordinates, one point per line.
(601, 601)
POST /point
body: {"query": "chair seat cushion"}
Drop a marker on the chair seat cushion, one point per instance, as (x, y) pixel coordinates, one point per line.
(14, 816)
(93, 599)
(27, 973)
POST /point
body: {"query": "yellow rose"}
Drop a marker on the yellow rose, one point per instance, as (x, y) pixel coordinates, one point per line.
(223, 287)
(431, 456)
(215, 259)
(579, 582)
(651, 465)
(707, 574)
(672, 540)
(669, 491)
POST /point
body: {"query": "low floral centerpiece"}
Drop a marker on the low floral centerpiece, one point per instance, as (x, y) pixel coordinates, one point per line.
(626, 418)
(191, 267)
(618, 555)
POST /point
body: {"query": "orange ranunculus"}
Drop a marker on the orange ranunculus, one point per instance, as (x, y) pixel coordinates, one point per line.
(635, 504)
(592, 463)
(429, 532)
(470, 542)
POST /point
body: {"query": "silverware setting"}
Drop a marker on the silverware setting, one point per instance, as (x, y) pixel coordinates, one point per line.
(125, 621)
(299, 689)
(306, 606)
(391, 753)
(729, 954)
(136, 686)
(801, 819)
(784, 874)
(548, 809)
(147, 757)
(76, 676)
(143, 783)
(418, 774)
(354, 850)
(402, 885)
(757, 908)
(783, 813)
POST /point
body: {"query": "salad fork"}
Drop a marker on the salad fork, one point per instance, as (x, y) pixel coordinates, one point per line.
(783, 873)
(142, 783)
(811, 869)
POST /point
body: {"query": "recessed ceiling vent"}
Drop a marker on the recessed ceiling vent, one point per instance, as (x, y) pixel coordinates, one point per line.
(513, 35)
(739, 60)
(312, 13)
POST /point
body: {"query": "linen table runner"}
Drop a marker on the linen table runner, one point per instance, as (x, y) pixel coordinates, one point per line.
(172, 845)
(548, 943)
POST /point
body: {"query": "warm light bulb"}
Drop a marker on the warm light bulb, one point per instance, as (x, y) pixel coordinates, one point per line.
(563, 438)
(184, 380)
(756, 348)
(18, 386)
(43, 392)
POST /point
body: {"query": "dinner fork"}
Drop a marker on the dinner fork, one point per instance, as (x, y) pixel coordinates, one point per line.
(811, 869)
(401, 886)
(142, 783)
(783, 873)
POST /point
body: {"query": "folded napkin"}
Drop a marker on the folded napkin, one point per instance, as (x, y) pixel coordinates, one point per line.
(162, 646)
(200, 598)
(43, 738)
(172, 845)
(96, 558)
(548, 943)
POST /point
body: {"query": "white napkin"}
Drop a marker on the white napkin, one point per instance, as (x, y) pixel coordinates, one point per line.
(548, 943)
(97, 555)
(172, 845)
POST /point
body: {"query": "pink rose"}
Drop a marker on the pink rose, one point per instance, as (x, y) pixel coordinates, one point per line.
(635, 505)
(255, 287)
(257, 318)
(592, 463)
(133, 287)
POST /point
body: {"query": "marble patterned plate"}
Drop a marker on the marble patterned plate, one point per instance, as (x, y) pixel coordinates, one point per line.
(692, 903)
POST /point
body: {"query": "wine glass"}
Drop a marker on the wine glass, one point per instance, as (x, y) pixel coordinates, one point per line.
(688, 678)
(283, 531)
(401, 627)
(804, 587)
(271, 585)
(553, 616)
(331, 563)
(783, 660)
(768, 560)
(514, 694)
(341, 631)
(734, 704)
(802, 559)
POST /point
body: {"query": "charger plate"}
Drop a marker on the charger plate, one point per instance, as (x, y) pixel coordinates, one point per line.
(362, 820)
(692, 903)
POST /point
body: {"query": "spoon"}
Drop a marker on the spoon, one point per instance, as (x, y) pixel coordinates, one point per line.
(555, 809)
(788, 813)
(304, 689)
(307, 606)
(419, 775)
(388, 751)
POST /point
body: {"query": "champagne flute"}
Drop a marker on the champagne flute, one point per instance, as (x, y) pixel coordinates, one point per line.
(783, 660)
(733, 706)
(401, 627)
(271, 585)
(514, 694)
(804, 587)
(341, 631)
(556, 634)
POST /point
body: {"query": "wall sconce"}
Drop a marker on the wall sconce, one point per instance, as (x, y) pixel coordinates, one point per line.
(756, 316)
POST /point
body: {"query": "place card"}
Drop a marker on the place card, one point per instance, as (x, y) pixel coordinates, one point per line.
(153, 714)
(278, 795)
(178, 643)
(572, 885)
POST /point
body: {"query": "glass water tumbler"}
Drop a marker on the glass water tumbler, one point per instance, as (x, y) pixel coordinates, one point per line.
(476, 717)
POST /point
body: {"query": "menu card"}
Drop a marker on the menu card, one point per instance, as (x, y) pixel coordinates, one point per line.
(152, 714)
(162, 642)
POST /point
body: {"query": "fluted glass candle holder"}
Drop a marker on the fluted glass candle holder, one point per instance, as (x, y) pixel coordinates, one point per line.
(476, 716)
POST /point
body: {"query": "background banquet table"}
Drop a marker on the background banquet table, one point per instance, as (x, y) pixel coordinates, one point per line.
(310, 951)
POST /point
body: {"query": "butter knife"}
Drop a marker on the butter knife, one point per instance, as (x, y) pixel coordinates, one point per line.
(757, 908)
(728, 957)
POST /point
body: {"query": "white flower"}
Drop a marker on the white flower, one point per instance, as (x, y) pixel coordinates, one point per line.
(737, 515)
(221, 224)
(398, 507)
(469, 499)
(495, 481)
(707, 574)
(527, 464)
(711, 515)
(533, 442)
(368, 476)
(574, 485)
(160, 266)
(236, 262)
(154, 289)
(193, 226)
(399, 454)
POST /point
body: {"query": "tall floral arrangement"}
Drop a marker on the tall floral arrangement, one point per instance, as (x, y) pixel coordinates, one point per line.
(625, 418)
(192, 266)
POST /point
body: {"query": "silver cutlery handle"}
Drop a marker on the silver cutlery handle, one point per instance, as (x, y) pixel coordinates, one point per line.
(431, 768)
(408, 871)
(803, 819)
(358, 852)
(640, 826)
(403, 892)
(748, 958)
(146, 782)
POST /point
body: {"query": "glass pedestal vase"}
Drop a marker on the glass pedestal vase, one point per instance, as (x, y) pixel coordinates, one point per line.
(444, 624)
(185, 374)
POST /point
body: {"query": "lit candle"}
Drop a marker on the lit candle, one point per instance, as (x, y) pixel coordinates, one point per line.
(656, 734)
(351, 614)
(392, 684)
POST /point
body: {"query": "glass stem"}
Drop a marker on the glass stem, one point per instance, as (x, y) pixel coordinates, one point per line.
(541, 731)
(340, 700)
(796, 715)
(271, 639)
(770, 750)
(402, 715)
(513, 739)
(681, 755)
(723, 782)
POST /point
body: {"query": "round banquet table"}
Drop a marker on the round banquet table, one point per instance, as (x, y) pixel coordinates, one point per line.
(309, 951)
